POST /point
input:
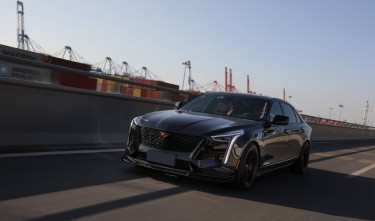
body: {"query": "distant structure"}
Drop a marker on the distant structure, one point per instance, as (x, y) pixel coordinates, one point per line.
(364, 123)
(213, 86)
(126, 69)
(111, 69)
(71, 54)
(229, 87)
(187, 66)
(69, 51)
(149, 75)
(21, 36)
(24, 42)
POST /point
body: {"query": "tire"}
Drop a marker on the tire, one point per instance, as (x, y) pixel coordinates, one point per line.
(300, 166)
(248, 168)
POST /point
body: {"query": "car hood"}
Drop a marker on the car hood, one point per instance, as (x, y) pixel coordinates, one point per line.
(192, 123)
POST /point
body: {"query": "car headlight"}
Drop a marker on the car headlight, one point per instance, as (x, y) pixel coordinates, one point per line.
(132, 137)
(133, 124)
(226, 141)
(223, 141)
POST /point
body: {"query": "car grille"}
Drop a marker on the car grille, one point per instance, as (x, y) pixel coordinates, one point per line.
(174, 142)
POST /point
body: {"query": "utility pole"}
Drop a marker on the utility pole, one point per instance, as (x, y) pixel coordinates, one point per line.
(364, 123)
(341, 107)
(21, 26)
(330, 112)
(187, 65)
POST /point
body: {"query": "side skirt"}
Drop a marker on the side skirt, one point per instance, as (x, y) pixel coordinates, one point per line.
(276, 166)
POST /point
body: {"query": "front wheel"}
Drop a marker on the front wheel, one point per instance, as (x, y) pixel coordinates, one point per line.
(300, 166)
(248, 168)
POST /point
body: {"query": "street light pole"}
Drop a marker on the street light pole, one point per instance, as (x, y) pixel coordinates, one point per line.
(330, 112)
(187, 65)
(340, 106)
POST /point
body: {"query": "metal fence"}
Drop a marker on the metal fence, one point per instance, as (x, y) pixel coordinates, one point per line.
(324, 121)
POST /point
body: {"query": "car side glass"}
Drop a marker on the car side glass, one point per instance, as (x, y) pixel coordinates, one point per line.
(289, 112)
(275, 110)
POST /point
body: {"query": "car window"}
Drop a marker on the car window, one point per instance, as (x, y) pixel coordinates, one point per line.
(275, 110)
(289, 112)
(298, 118)
(232, 105)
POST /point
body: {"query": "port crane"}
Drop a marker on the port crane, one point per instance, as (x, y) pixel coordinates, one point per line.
(24, 42)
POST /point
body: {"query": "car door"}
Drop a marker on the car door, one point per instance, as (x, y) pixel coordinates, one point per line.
(275, 141)
(293, 130)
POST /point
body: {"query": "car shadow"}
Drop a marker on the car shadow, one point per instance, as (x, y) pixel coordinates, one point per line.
(317, 191)
(25, 176)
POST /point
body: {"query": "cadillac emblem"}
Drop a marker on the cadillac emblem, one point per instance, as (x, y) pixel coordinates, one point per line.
(164, 134)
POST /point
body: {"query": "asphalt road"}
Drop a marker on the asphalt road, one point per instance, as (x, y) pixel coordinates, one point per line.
(339, 185)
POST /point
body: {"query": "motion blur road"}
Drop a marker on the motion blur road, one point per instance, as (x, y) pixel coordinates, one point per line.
(339, 185)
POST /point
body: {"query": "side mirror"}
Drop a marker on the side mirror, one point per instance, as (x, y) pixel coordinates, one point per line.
(178, 105)
(280, 120)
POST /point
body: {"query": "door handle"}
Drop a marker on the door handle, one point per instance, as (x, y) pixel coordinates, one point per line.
(286, 131)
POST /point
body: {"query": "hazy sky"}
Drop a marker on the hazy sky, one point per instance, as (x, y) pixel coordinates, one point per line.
(321, 51)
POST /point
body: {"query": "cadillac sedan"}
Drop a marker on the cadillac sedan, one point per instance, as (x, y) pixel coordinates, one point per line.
(219, 136)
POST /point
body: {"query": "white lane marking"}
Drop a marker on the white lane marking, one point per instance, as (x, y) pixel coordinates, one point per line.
(51, 153)
(352, 175)
(323, 154)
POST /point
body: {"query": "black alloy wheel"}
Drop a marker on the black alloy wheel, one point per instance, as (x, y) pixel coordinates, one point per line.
(247, 171)
(300, 166)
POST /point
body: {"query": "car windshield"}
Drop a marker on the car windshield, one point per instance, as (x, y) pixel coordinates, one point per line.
(232, 105)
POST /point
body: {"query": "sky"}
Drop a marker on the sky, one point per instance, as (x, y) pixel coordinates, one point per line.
(321, 51)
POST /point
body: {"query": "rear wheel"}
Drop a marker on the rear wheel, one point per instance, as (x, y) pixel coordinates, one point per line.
(247, 171)
(300, 166)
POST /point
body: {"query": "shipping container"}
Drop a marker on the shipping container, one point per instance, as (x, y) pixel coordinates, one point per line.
(137, 92)
(144, 81)
(168, 85)
(72, 80)
(113, 87)
(101, 85)
(66, 63)
(177, 98)
(127, 91)
(154, 94)
(69, 79)
(144, 93)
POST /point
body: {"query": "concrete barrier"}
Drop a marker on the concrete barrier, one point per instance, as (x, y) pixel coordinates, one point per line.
(321, 132)
(36, 115)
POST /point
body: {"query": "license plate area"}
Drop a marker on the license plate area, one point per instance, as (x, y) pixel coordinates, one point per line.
(160, 157)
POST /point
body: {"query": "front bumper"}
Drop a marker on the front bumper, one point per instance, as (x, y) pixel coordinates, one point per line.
(216, 174)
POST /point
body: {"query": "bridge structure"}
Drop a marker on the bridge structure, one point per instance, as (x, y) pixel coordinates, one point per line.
(60, 149)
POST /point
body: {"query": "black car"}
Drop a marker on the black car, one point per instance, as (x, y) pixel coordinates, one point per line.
(221, 136)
